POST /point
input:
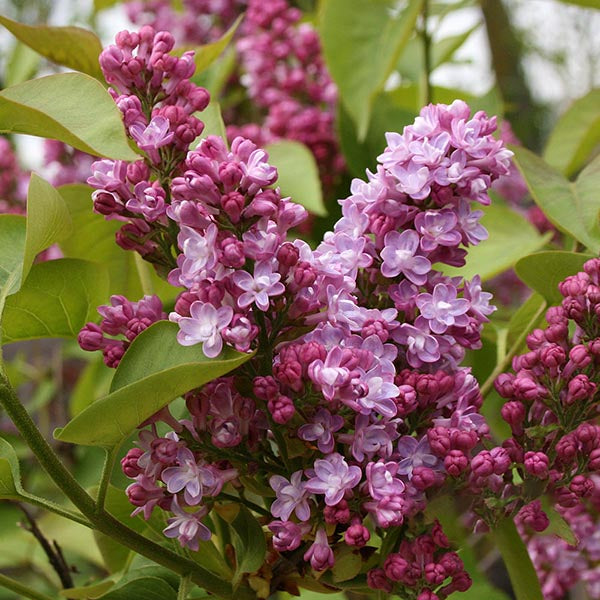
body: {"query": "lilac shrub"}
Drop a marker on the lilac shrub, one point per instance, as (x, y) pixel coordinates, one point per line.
(355, 409)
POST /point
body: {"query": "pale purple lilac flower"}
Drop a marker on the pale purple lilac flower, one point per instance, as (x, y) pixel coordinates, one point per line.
(333, 478)
(400, 256)
(292, 497)
(321, 429)
(187, 527)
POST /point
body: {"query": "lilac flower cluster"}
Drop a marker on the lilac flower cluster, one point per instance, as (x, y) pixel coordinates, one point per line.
(281, 71)
(153, 90)
(65, 164)
(121, 319)
(13, 181)
(354, 422)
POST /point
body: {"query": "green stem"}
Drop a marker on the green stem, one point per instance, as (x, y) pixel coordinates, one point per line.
(505, 362)
(184, 588)
(100, 519)
(107, 469)
(22, 590)
(56, 509)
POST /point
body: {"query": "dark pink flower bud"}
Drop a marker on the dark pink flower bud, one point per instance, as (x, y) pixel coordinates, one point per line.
(232, 204)
(594, 460)
(107, 203)
(233, 253)
(423, 478)
(514, 449)
(357, 535)
(557, 333)
(438, 536)
(501, 459)
(230, 174)
(320, 555)
(138, 171)
(482, 464)
(536, 339)
(565, 498)
(428, 594)
(288, 255)
(580, 356)
(395, 567)
(574, 285)
(289, 373)
(580, 388)
(533, 516)
(574, 308)
(514, 413)
(587, 436)
(566, 449)
(439, 440)
(527, 389)
(91, 337)
(556, 315)
(265, 388)
(461, 582)
(504, 385)
(113, 353)
(582, 486)
(129, 463)
(455, 462)
(164, 450)
(378, 328)
(304, 274)
(552, 357)
(592, 268)
(183, 303)
(282, 409)
(309, 352)
(338, 513)
(434, 573)
(377, 580)
(594, 348)
(537, 464)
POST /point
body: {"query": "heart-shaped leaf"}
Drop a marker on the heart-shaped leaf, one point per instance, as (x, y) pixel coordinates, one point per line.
(56, 300)
(70, 107)
(154, 370)
(73, 47)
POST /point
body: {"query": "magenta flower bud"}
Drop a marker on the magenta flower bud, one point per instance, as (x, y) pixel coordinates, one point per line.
(482, 464)
(428, 594)
(288, 255)
(232, 204)
(129, 463)
(594, 460)
(183, 303)
(107, 203)
(135, 326)
(574, 285)
(525, 361)
(287, 535)
(282, 409)
(514, 449)
(574, 308)
(434, 573)
(556, 315)
(91, 337)
(527, 389)
(537, 464)
(439, 440)
(309, 352)
(588, 436)
(138, 171)
(377, 328)
(320, 554)
(423, 478)
(113, 353)
(504, 385)
(464, 440)
(265, 388)
(580, 356)
(514, 413)
(338, 513)
(395, 567)
(501, 459)
(579, 388)
(565, 498)
(536, 339)
(289, 373)
(455, 463)
(582, 486)
(406, 401)
(592, 268)
(164, 450)
(594, 346)
(357, 535)
(532, 515)
(566, 449)
(304, 274)
(557, 333)
(230, 175)
(233, 253)
(461, 582)
(552, 357)
(438, 536)
(377, 580)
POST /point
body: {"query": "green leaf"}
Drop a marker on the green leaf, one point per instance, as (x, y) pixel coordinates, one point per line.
(93, 383)
(48, 220)
(558, 526)
(523, 577)
(88, 592)
(10, 474)
(298, 174)
(362, 40)
(57, 299)
(93, 238)
(571, 207)
(213, 122)
(526, 318)
(70, 107)
(249, 542)
(148, 588)
(511, 237)
(207, 54)
(12, 248)
(73, 47)
(575, 136)
(22, 64)
(543, 271)
(347, 565)
(154, 370)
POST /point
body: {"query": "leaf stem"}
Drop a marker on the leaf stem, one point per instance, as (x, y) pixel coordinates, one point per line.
(22, 590)
(55, 508)
(107, 469)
